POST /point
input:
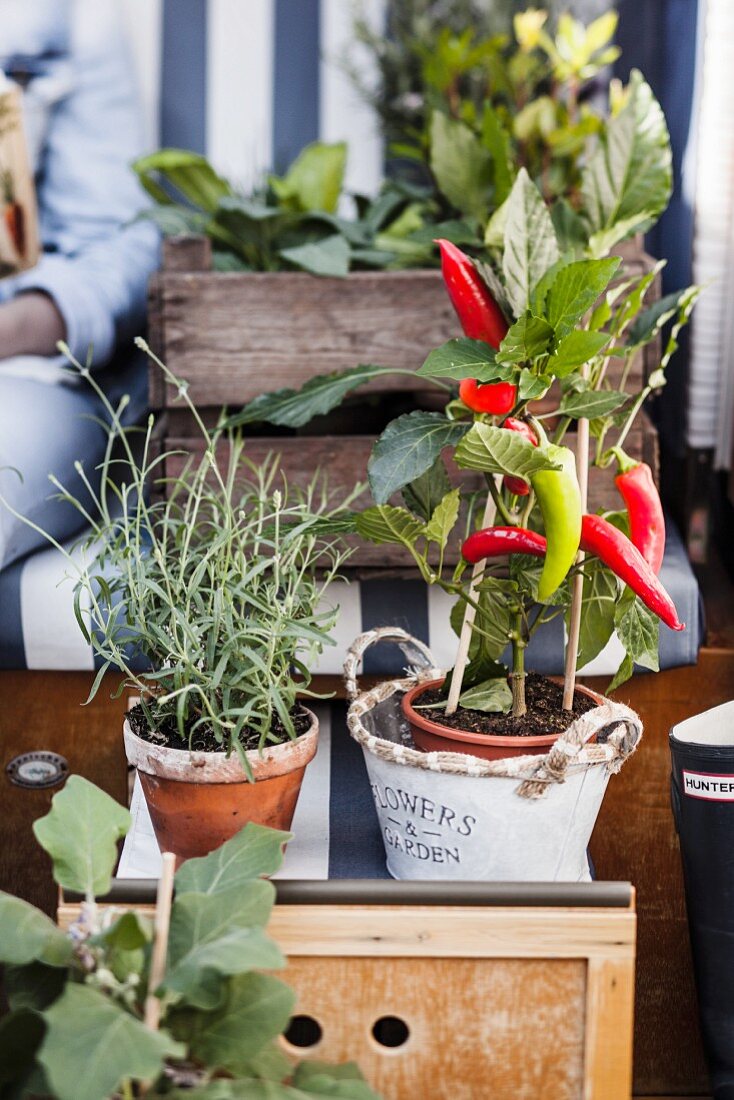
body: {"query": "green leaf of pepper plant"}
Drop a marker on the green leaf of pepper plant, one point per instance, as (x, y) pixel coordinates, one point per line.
(385, 523)
(638, 631)
(444, 518)
(407, 448)
(592, 403)
(490, 696)
(575, 349)
(530, 245)
(292, 408)
(80, 833)
(464, 358)
(527, 339)
(427, 491)
(497, 451)
(575, 289)
(599, 602)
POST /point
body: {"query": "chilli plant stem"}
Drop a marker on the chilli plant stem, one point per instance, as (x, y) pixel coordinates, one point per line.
(517, 676)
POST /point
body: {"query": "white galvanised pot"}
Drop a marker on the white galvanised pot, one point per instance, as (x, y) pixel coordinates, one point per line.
(446, 815)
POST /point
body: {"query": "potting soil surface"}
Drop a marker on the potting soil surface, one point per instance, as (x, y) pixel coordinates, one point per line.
(203, 739)
(545, 714)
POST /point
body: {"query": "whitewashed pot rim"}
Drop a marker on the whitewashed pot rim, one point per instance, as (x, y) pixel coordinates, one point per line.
(196, 766)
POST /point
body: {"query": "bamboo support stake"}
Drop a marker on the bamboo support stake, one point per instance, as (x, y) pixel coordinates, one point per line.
(574, 629)
(160, 942)
(457, 677)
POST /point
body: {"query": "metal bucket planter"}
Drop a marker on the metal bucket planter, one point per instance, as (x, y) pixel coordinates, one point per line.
(446, 815)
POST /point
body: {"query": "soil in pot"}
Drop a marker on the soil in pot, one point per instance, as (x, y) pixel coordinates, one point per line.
(203, 739)
(199, 798)
(493, 736)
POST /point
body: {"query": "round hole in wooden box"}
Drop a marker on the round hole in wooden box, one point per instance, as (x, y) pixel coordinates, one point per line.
(303, 1032)
(390, 1032)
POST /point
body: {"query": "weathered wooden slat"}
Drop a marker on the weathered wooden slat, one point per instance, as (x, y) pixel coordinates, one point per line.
(343, 460)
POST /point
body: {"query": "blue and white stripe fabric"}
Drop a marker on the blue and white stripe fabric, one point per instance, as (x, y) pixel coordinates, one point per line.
(38, 628)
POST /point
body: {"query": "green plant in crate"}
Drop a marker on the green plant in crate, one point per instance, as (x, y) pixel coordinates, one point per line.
(542, 321)
(76, 1027)
(292, 222)
(479, 105)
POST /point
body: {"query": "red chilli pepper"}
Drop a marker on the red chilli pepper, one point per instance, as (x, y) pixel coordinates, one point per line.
(495, 542)
(647, 523)
(496, 398)
(601, 538)
(518, 485)
(481, 318)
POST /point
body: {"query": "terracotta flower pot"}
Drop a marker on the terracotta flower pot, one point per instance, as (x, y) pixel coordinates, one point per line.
(431, 736)
(198, 800)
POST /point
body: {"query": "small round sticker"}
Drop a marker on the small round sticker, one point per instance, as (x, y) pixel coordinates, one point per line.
(37, 769)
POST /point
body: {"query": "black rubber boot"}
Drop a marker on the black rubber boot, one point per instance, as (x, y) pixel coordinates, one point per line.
(702, 750)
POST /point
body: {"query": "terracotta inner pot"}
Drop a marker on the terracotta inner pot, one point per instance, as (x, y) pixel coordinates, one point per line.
(198, 800)
(430, 736)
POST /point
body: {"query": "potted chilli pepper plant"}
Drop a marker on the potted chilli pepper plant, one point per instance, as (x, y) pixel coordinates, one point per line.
(117, 1005)
(209, 603)
(541, 326)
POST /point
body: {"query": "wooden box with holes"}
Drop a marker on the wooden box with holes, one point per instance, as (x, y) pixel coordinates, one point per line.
(455, 991)
(233, 336)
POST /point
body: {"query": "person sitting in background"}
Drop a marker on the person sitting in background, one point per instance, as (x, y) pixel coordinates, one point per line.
(89, 287)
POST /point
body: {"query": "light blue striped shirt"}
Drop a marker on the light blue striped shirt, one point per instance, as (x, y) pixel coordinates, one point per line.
(84, 130)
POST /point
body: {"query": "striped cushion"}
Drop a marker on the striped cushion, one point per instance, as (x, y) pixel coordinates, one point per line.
(38, 628)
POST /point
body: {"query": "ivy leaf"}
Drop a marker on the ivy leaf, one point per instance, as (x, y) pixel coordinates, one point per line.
(427, 491)
(29, 935)
(638, 631)
(497, 451)
(443, 520)
(407, 448)
(530, 245)
(490, 696)
(628, 179)
(527, 339)
(575, 349)
(294, 408)
(600, 594)
(214, 936)
(256, 1008)
(80, 833)
(461, 165)
(92, 1044)
(575, 289)
(592, 403)
(385, 523)
(251, 853)
(464, 358)
(328, 257)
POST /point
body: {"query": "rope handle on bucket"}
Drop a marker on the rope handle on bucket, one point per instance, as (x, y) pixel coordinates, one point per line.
(417, 654)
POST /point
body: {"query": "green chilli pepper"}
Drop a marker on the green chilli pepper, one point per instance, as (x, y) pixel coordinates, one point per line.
(559, 498)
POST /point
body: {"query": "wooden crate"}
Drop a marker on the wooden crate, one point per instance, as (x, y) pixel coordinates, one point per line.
(510, 991)
(233, 336)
